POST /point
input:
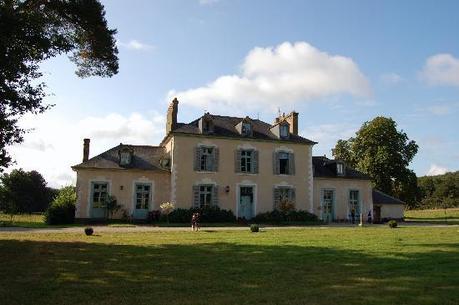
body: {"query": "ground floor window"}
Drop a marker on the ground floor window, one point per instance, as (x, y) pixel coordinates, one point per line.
(328, 197)
(142, 196)
(99, 194)
(205, 195)
(284, 198)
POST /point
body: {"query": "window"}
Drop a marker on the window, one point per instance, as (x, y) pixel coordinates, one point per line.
(340, 169)
(99, 194)
(283, 163)
(207, 160)
(284, 131)
(206, 126)
(246, 129)
(354, 206)
(205, 195)
(327, 207)
(142, 196)
(125, 158)
(246, 161)
(284, 198)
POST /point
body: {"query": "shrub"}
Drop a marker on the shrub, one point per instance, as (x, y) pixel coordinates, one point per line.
(88, 231)
(62, 209)
(207, 214)
(254, 228)
(166, 209)
(392, 224)
(153, 216)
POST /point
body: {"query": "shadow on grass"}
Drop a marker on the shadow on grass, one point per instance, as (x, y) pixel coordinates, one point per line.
(222, 273)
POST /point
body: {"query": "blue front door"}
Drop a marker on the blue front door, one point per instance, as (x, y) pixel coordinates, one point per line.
(246, 206)
(328, 205)
(142, 200)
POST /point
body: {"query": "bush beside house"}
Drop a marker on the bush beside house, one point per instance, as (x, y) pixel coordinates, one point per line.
(62, 208)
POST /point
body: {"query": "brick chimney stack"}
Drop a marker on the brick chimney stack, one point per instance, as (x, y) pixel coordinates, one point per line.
(172, 112)
(292, 119)
(86, 149)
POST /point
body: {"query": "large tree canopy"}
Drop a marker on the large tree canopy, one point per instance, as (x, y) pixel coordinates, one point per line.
(24, 192)
(384, 153)
(34, 30)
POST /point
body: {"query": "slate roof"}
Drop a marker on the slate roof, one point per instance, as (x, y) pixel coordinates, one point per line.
(382, 198)
(326, 168)
(225, 126)
(144, 157)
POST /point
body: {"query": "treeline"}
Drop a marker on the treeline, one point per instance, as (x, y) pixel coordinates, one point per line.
(24, 192)
(440, 191)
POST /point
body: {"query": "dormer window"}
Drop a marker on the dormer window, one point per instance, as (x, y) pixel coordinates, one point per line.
(206, 124)
(284, 131)
(246, 129)
(125, 156)
(340, 169)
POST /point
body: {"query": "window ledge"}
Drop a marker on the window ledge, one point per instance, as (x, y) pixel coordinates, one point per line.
(205, 172)
(246, 174)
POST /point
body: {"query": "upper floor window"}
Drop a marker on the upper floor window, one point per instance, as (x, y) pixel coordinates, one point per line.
(284, 131)
(284, 163)
(206, 159)
(246, 161)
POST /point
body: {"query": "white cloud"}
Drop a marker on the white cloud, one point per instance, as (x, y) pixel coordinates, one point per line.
(135, 45)
(327, 135)
(441, 69)
(280, 76)
(392, 78)
(56, 144)
(437, 170)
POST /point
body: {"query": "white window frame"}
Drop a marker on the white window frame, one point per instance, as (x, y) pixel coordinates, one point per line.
(246, 158)
(209, 191)
(207, 152)
(284, 131)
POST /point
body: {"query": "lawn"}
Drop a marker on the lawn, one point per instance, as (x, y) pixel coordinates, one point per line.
(370, 265)
(24, 220)
(438, 216)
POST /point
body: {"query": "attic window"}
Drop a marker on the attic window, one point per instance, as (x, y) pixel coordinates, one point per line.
(206, 126)
(340, 169)
(284, 131)
(125, 157)
(246, 129)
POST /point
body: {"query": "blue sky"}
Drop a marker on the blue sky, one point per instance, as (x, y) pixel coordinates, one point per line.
(338, 63)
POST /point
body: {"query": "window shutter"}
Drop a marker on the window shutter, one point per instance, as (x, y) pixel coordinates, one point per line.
(197, 159)
(276, 198)
(216, 157)
(291, 164)
(276, 164)
(196, 196)
(292, 195)
(215, 195)
(237, 161)
(255, 161)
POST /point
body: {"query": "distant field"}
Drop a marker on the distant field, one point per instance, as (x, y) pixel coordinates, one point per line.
(342, 266)
(24, 220)
(448, 216)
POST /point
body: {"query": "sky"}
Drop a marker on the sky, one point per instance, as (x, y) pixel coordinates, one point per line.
(337, 63)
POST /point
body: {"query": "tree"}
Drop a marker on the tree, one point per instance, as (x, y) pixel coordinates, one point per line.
(384, 153)
(24, 192)
(32, 31)
(62, 209)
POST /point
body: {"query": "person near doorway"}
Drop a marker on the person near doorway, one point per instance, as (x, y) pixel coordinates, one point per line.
(353, 216)
(369, 217)
(195, 222)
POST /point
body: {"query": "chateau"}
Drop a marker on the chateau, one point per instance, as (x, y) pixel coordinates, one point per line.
(240, 164)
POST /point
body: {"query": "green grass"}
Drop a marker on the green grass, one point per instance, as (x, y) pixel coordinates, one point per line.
(24, 220)
(438, 216)
(370, 265)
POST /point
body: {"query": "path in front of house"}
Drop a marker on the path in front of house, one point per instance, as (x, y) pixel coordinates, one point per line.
(146, 228)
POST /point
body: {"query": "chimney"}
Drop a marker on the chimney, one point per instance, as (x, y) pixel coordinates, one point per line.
(172, 111)
(86, 149)
(292, 119)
